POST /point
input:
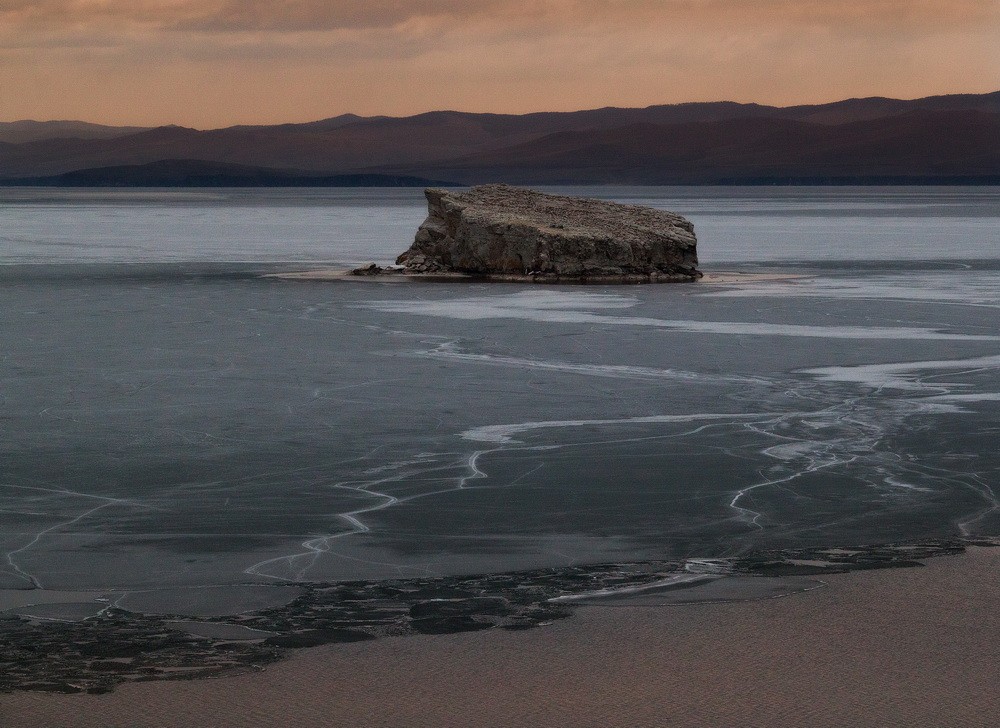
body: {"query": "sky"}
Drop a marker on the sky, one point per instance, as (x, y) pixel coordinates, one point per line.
(212, 63)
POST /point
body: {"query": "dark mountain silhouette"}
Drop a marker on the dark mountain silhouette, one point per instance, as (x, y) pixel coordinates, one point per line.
(940, 137)
(195, 173)
(918, 147)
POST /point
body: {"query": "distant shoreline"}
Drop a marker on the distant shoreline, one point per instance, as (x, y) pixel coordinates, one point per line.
(197, 174)
(391, 181)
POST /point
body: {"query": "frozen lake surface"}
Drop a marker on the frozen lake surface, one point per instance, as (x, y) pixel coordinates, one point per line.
(173, 424)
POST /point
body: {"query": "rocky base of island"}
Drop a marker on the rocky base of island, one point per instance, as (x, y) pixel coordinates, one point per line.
(432, 273)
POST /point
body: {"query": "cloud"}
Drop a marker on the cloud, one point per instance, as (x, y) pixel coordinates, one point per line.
(320, 15)
(243, 15)
(214, 62)
(304, 15)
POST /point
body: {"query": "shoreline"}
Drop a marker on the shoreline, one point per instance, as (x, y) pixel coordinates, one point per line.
(99, 653)
(888, 647)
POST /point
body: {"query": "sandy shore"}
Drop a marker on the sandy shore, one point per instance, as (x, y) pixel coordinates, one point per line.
(901, 647)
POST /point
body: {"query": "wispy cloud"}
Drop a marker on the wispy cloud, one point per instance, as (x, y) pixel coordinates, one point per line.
(244, 15)
(319, 15)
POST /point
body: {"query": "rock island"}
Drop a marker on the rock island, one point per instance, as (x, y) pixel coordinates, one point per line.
(510, 233)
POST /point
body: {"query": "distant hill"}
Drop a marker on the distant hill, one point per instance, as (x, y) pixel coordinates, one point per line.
(18, 132)
(196, 173)
(922, 147)
(940, 138)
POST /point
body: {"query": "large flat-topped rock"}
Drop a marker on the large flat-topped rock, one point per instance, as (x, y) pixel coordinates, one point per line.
(498, 230)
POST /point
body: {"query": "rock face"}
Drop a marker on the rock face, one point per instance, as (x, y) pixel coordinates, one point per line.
(503, 231)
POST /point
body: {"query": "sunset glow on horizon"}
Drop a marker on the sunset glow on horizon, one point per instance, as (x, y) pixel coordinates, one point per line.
(212, 63)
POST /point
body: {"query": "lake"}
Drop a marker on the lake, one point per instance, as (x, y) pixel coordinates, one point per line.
(172, 422)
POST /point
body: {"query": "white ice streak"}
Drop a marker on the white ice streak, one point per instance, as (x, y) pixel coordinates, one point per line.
(962, 288)
(659, 584)
(897, 483)
(904, 375)
(450, 353)
(976, 397)
(506, 306)
(503, 434)
(570, 308)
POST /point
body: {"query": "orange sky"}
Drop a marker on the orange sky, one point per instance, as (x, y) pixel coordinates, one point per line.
(209, 63)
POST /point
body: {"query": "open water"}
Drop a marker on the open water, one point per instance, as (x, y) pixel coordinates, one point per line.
(173, 425)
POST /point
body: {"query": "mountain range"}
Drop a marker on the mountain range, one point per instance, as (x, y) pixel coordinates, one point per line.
(939, 139)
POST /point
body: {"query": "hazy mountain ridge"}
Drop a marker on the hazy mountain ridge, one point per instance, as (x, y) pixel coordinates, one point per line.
(197, 173)
(941, 136)
(29, 130)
